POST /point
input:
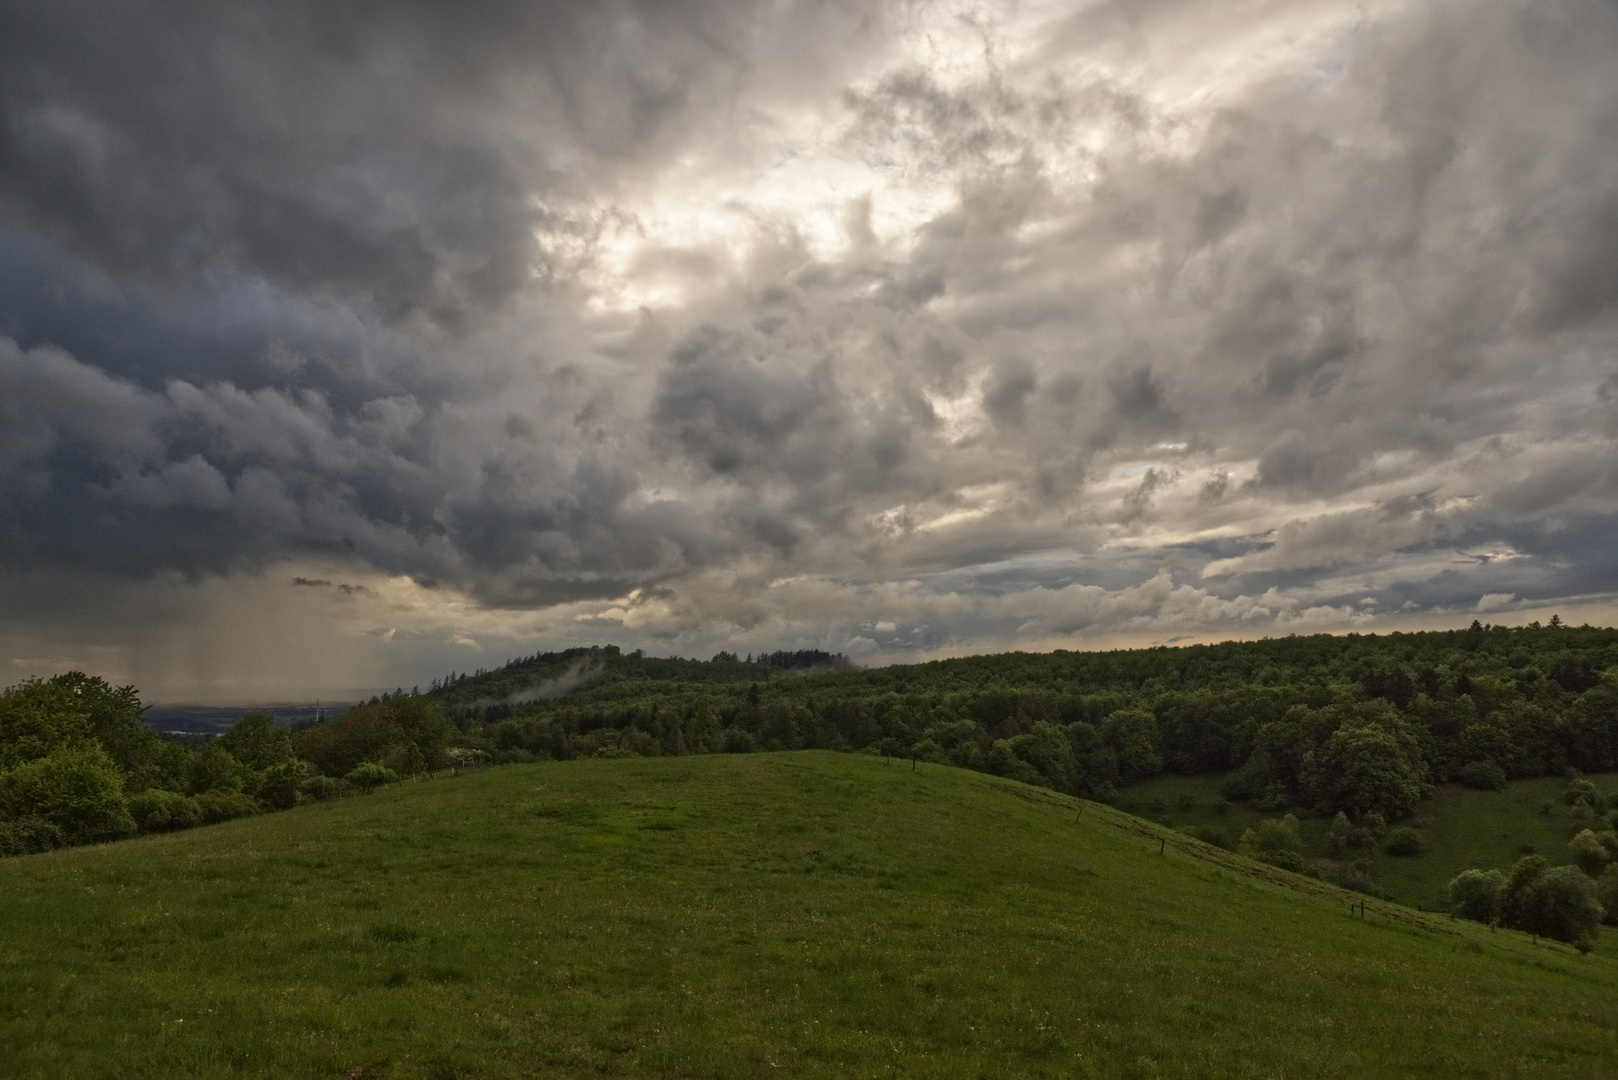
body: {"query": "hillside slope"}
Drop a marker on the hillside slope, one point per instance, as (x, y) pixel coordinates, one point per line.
(805, 914)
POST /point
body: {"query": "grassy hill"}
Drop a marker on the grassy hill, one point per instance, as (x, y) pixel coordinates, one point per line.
(801, 914)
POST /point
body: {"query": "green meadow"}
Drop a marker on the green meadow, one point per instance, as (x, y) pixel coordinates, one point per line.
(793, 914)
(1462, 829)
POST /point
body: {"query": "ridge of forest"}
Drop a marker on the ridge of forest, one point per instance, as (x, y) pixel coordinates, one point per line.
(1354, 723)
(1358, 724)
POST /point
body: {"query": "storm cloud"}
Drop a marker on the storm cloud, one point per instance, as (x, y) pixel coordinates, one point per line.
(898, 331)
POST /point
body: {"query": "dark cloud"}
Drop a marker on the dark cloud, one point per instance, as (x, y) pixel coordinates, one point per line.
(396, 155)
(807, 321)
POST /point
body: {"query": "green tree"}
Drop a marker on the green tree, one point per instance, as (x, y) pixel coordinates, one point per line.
(1589, 853)
(278, 786)
(77, 788)
(116, 720)
(1277, 842)
(1513, 896)
(1365, 768)
(1560, 903)
(38, 718)
(217, 770)
(257, 741)
(369, 776)
(1133, 736)
(1475, 894)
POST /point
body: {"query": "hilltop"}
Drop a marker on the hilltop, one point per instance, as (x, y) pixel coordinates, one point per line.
(728, 916)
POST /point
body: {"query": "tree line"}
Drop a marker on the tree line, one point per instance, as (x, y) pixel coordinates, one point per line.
(1358, 725)
(78, 765)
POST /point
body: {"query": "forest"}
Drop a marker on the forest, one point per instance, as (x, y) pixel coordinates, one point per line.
(1357, 725)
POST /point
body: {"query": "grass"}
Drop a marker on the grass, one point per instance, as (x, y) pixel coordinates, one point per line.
(805, 914)
(1462, 829)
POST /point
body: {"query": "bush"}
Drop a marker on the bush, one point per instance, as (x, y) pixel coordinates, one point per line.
(26, 835)
(1276, 842)
(1475, 895)
(370, 775)
(1581, 788)
(278, 786)
(1483, 775)
(222, 805)
(79, 789)
(320, 788)
(1405, 841)
(1589, 853)
(164, 811)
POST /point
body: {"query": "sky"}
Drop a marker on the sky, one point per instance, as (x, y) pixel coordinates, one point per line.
(348, 345)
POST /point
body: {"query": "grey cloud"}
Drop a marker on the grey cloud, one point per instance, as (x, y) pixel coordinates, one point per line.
(330, 294)
(389, 154)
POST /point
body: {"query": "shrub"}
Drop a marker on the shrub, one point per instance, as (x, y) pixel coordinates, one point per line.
(1345, 836)
(369, 775)
(278, 786)
(1483, 775)
(1582, 815)
(1581, 788)
(320, 788)
(26, 835)
(1589, 853)
(1405, 841)
(79, 789)
(162, 811)
(1276, 842)
(222, 805)
(1475, 894)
